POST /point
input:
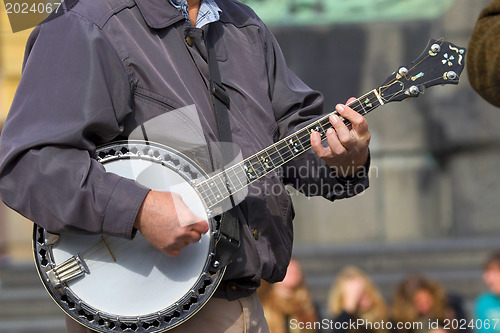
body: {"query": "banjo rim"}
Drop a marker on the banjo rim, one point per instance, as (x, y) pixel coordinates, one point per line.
(166, 318)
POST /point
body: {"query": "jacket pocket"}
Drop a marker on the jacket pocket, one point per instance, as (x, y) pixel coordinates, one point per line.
(145, 96)
(164, 121)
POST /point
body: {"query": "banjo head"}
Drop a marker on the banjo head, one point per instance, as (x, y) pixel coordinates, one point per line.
(111, 284)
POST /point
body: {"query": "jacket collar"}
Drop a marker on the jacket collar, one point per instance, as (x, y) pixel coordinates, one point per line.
(159, 14)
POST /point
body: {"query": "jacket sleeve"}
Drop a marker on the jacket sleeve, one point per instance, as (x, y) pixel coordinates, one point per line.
(483, 55)
(296, 105)
(73, 94)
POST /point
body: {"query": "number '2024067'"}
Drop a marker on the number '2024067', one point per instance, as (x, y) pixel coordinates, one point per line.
(461, 324)
(31, 8)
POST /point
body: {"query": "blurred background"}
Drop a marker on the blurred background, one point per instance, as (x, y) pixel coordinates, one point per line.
(433, 206)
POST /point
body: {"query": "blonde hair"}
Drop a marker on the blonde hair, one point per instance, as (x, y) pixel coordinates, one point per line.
(376, 313)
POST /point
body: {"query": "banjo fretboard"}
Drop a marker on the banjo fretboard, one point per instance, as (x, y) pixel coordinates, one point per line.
(236, 177)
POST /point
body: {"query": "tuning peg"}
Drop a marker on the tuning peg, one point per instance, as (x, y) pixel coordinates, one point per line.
(451, 75)
(436, 48)
(414, 91)
(402, 72)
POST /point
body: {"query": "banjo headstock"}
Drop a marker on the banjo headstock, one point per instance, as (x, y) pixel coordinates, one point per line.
(441, 63)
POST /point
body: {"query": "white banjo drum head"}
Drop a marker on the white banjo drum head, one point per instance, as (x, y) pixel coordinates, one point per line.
(130, 280)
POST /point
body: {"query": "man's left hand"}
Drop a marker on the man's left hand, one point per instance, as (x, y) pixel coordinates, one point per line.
(347, 148)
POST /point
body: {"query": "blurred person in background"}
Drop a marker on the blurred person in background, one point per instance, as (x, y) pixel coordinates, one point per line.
(353, 297)
(419, 299)
(483, 56)
(288, 304)
(487, 306)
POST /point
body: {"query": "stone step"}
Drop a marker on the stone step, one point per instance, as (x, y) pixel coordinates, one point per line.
(19, 275)
(51, 325)
(441, 254)
(36, 302)
(25, 305)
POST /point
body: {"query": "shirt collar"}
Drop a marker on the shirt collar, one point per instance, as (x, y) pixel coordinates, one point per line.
(160, 14)
(208, 12)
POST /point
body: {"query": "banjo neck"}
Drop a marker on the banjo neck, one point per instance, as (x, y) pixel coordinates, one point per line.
(238, 176)
(440, 63)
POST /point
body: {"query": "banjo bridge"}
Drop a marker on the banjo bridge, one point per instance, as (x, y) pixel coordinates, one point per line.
(71, 269)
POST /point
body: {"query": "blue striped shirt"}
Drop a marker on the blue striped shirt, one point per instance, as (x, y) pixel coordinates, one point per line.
(208, 12)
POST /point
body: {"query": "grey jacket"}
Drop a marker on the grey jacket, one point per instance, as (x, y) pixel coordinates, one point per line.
(96, 73)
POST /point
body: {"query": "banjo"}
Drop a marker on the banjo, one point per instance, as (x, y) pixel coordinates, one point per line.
(109, 284)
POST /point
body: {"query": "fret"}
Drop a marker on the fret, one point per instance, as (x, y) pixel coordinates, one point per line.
(368, 102)
(255, 166)
(321, 130)
(275, 156)
(319, 126)
(285, 151)
(267, 161)
(227, 184)
(262, 168)
(294, 144)
(220, 186)
(298, 137)
(214, 190)
(305, 140)
(362, 107)
(250, 171)
(316, 126)
(326, 123)
(230, 181)
(239, 171)
(207, 194)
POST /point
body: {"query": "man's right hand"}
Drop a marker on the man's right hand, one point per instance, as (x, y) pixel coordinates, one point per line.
(167, 223)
